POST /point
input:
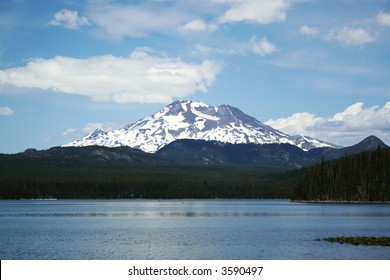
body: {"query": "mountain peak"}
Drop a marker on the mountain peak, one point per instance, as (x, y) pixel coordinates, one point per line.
(96, 137)
(97, 132)
(372, 142)
(307, 143)
(186, 119)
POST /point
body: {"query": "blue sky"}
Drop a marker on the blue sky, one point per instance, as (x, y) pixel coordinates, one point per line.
(312, 67)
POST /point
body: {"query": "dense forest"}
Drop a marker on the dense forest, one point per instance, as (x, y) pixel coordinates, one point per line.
(97, 172)
(67, 178)
(360, 177)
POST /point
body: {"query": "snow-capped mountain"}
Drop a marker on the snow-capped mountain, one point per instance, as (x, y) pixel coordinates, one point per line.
(307, 143)
(198, 121)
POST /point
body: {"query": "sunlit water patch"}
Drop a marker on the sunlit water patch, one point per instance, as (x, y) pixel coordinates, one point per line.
(188, 229)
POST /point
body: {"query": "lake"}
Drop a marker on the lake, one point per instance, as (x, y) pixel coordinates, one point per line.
(188, 229)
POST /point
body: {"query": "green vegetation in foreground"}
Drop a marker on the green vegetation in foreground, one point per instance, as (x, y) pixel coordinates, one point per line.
(364, 240)
(108, 173)
(362, 177)
(70, 178)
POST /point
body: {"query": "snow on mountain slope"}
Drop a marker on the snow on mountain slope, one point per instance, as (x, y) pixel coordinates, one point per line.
(307, 143)
(194, 120)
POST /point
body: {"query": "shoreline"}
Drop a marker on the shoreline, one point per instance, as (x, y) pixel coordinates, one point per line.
(339, 202)
(208, 199)
(145, 199)
(358, 240)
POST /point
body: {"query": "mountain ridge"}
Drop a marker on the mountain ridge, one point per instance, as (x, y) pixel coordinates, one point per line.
(197, 121)
(122, 172)
(211, 153)
(267, 155)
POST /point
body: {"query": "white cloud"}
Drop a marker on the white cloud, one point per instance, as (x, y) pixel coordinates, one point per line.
(309, 31)
(356, 33)
(198, 25)
(116, 21)
(350, 36)
(139, 77)
(69, 131)
(262, 47)
(383, 18)
(5, 111)
(311, 59)
(256, 11)
(202, 50)
(352, 110)
(295, 124)
(69, 19)
(345, 128)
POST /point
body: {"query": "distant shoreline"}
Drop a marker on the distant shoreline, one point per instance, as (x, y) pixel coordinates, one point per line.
(359, 240)
(340, 202)
(141, 199)
(207, 199)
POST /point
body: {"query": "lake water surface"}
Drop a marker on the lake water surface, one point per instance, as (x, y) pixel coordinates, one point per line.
(188, 229)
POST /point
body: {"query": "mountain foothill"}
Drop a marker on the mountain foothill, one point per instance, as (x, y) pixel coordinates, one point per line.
(192, 150)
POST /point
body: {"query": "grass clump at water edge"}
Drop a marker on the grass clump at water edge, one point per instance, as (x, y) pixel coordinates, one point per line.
(363, 240)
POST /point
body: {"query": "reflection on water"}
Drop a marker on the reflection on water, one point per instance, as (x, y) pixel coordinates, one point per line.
(198, 214)
(189, 229)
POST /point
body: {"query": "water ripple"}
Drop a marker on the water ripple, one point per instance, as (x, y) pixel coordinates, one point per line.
(196, 214)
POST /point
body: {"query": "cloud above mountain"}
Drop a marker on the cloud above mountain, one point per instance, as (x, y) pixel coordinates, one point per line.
(262, 46)
(6, 111)
(350, 36)
(141, 77)
(117, 20)
(309, 31)
(355, 33)
(69, 19)
(349, 126)
(255, 11)
(383, 18)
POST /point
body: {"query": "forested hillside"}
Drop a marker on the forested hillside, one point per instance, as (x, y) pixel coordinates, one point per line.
(199, 169)
(359, 177)
(77, 178)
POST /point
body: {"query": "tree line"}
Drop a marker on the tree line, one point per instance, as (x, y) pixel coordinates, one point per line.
(40, 178)
(360, 177)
